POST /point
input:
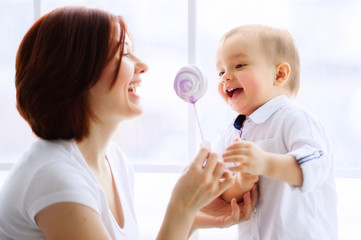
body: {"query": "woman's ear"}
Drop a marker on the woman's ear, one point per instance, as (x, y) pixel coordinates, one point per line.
(283, 71)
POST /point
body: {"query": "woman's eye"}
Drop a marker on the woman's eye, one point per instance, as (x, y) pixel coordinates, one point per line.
(126, 54)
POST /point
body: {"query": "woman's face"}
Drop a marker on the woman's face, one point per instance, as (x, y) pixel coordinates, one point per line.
(120, 101)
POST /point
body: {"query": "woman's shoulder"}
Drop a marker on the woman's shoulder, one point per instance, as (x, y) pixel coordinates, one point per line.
(48, 172)
(48, 161)
(42, 153)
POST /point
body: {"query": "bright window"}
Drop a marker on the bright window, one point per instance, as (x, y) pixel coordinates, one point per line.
(328, 39)
(164, 138)
(325, 32)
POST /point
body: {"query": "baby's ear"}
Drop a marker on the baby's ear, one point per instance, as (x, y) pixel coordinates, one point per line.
(283, 71)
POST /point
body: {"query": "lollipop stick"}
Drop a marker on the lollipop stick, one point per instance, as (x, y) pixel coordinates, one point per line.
(199, 125)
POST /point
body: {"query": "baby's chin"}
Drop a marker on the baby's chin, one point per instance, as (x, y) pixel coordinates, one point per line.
(241, 110)
(237, 109)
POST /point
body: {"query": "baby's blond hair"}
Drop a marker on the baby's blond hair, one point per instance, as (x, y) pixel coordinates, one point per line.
(278, 46)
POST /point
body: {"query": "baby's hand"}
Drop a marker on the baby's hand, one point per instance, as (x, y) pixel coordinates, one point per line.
(247, 156)
(243, 182)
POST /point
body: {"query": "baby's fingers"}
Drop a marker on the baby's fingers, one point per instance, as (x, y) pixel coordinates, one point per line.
(234, 159)
(237, 168)
(238, 163)
(239, 144)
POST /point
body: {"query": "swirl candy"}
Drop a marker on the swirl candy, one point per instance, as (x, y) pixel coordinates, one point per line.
(190, 84)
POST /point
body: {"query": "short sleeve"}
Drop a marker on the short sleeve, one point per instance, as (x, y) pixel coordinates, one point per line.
(59, 181)
(308, 143)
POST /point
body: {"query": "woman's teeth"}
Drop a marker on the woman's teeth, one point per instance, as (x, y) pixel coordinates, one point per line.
(132, 87)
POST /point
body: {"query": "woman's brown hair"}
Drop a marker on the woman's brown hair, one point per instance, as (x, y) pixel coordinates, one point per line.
(60, 58)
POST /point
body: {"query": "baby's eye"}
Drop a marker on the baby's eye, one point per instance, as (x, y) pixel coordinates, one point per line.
(240, 65)
(220, 74)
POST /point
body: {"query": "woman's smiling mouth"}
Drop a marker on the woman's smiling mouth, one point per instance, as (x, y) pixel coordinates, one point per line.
(133, 87)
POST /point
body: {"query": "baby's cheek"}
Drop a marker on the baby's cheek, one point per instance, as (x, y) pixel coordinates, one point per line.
(252, 84)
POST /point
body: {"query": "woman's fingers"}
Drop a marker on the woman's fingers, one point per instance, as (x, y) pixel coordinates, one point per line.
(235, 215)
(219, 169)
(247, 206)
(198, 162)
(249, 203)
(218, 177)
(211, 163)
(226, 181)
(206, 178)
(254, 195)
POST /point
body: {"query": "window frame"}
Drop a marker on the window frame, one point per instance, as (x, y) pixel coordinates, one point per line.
(192, 128)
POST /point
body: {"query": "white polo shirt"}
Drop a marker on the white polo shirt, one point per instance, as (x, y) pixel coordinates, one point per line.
(284, 211)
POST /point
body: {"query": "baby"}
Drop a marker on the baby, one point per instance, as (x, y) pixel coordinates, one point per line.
(259, 70)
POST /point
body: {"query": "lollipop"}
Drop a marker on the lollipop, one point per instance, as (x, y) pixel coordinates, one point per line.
(190, 85)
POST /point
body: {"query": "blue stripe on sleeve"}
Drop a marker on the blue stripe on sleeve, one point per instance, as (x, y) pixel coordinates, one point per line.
(310, 157)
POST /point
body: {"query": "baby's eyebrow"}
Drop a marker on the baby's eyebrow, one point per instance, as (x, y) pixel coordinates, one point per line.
(218, 63)
(236, 55)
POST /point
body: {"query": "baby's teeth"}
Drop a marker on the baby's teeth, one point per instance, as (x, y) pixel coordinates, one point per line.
(230, 89)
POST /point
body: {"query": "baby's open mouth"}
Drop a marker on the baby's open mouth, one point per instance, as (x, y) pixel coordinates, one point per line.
(133, 87)
(230, 92)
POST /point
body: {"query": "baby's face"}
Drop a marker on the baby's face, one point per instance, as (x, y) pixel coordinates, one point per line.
(246, 76)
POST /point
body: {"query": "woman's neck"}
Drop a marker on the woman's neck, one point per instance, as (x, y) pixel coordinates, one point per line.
(93, 147)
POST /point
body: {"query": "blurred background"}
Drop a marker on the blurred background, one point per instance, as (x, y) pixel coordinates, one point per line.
(169, 34)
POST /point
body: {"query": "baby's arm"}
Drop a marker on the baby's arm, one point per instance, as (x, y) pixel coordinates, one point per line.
(284, 168)
(242, 183)
(250, 158)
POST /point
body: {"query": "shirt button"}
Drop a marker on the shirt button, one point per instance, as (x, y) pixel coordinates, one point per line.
(317, 154)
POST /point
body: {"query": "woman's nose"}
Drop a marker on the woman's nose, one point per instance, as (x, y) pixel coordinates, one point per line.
(141, 67)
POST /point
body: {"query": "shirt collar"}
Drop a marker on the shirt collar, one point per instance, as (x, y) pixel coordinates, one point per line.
(263, 112)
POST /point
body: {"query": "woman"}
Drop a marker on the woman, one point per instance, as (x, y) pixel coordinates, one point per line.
(76, 80)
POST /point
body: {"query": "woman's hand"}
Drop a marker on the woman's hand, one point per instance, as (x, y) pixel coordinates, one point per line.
(200, 184)
(221, 214)
(203, 181)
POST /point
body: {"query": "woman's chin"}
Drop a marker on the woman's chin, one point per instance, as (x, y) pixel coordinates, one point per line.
(135, 111)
